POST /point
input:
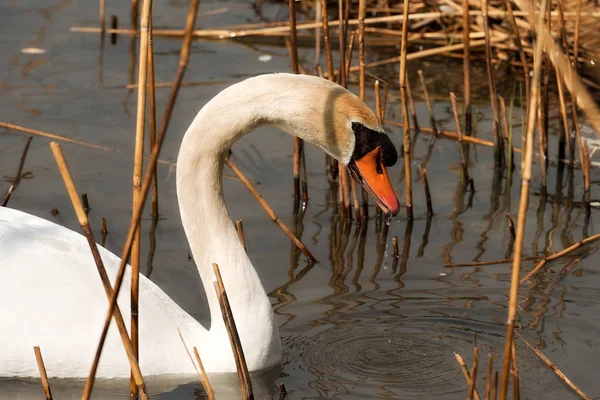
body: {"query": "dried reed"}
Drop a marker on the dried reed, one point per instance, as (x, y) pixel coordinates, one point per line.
(560, 254)
(492, 85)
(425, 180)
(523, 203)
(467, 180)
(183, 60)
(86, 203)
(17, 178)
(270, 211)
(395, 246)
(199, 369)
(474, 369)
(239, 227)
(515, 374)
(488, 376)
(465, 371)
(234, 338)
(428, 102)
(152, 109)
(104, 232)
(43, 375)
(83, 221)
(405, 114)
(467, 67)
(553, 367)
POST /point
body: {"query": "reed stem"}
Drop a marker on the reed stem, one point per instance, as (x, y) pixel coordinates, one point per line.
(405, 113)
(234, 338)
(43, 374)
(17, 178)
(467, 67)
(523, 203)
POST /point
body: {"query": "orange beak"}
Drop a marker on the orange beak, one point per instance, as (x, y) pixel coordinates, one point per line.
(371, 174)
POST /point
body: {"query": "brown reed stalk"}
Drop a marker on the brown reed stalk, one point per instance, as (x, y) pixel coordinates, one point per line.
(517, 39)
(362, 5)
(239, 227)
(199, 368)
(465, 371)
(395, 246)
(17, 178)
(488, 376)
(495, 262)
(495, 386)
(350, 50)
(474, 370)
(183, 60)
(269, 210)
(405, 122)
(377, 88)
(138, 160)
(86, 203)
(467, 67)
(553, 367)
(298, 143)
(492, 85)
(425, 180)
(54, 137)
(43, 374)
(104, 232)
(326, 41)
(463, 159)
(585, 167)
(576, 39)
(507, 134)
(411, 105)
(515, 374)
(428, 102)
(83, 221)
(523, 203)
(234, 338)
(204, 380)
(560, 254)
(152, 109)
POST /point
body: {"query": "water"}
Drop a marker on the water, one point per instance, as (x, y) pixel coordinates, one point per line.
(360, 323)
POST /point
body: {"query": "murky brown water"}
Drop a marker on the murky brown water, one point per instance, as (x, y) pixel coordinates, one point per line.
(359, 324)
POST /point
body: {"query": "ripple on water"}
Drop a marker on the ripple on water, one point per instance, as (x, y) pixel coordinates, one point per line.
(391, 359)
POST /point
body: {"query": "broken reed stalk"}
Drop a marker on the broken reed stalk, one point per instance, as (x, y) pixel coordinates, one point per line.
(553, 367)
(83, 221)
(43, 374)
(17, 178)
(199, 368)
(492, 85)
(298, 143)
(86, 203)
(523, 203)
(234, 338)
(474, 370)
(152, 109)
(239, 227)
(425, 180)
(204, 379)
(53, 136)
(467, 67)
(326, 41)
(467, 180)
(405, 121)
(482, 263)
(411, 105)
(465, 371)
(428, 102)
(104, 232)
(488, 376)
(395, 246)
(150, 170)
(269, 210)
(560, 254)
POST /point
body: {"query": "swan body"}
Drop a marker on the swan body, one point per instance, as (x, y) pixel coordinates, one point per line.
(50, 289)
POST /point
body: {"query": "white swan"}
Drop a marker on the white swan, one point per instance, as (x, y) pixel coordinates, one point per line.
(50, 291)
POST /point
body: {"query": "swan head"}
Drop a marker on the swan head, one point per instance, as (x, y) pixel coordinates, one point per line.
(360, 143)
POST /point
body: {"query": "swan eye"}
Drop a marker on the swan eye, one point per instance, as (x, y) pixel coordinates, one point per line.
(357, 127)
